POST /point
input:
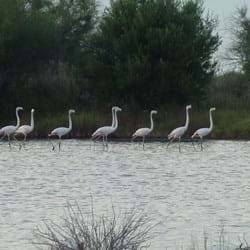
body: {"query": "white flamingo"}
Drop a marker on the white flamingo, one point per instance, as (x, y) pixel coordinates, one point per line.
(202, 132)
(26, 129)
(61, 131)
(143, 132)
(10, 130)
(107, 130)
(96, 135)
(179, 132)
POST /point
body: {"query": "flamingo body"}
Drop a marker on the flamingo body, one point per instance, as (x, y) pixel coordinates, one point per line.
(24, 129)
(141, 132)
(202, 132)
(8, 130)
(60, 132)
(103, 131)
(176, 133)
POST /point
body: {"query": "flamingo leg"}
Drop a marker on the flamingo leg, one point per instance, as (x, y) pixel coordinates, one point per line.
(106, 137)
(94, 139)
(53, 147)
(24, 140)
(59, 144)
(103, 143)
(170, 141)
(16, 140)
(143, 139)
(201, 140)
(193, 142)
(2, 138)
(93, 142)
(179, 144)
(98, 137)
(9, 141)
(132, 139)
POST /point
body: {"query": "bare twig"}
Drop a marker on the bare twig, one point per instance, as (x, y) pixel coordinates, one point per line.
(81, 232)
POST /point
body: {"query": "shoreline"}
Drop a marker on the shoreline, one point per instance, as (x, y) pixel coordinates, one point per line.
(128, 139)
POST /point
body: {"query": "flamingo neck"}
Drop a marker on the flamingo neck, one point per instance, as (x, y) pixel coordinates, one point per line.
(113, 118)
(187, 120)
(211, 121)
(116, 120)
(32, 120)
(70, 122)
(18, 120)
(152, 122)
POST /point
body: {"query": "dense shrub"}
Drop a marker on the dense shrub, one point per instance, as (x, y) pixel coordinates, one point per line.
(40, 46)
(150, 53)
(230, 91)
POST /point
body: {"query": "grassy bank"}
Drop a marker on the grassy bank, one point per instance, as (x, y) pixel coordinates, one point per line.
(228, 124)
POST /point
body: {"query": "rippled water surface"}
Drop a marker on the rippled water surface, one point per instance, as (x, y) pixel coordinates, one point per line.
(186, 193)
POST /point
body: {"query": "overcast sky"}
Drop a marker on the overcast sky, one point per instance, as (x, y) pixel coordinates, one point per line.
(224, 9)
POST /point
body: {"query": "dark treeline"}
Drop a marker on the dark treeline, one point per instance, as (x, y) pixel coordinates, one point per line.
(231, 90)
(138, 54)
(41, 43)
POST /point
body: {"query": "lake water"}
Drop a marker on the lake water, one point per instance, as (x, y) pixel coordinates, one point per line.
(185, 193)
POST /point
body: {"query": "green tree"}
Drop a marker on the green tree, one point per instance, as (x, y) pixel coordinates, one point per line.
(40, 46)
(240, 49)
(75, 19)
(153, 52)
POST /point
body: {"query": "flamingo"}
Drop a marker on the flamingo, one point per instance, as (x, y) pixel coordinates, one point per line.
(179, 132)
(96, 135)
(107, 130)
(143, 132)
(202, 132)
(61, 131)
(26, 129)
(10, 130)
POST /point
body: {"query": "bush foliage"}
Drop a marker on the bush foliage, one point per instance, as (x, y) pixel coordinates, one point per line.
(151, 53)
(141, 53)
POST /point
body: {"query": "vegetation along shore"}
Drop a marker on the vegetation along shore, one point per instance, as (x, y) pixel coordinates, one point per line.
(229, 124)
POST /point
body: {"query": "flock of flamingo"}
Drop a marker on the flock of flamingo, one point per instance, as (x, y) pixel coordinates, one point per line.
(103, 132)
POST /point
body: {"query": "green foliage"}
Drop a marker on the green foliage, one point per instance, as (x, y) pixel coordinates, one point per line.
(40, 44)
(230, 90)
(153, 52)
(240, 49)
(142, 53)
(75, 20)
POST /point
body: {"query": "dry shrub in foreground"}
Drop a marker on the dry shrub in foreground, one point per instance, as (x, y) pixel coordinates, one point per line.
(222, 243)
(81, 231)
